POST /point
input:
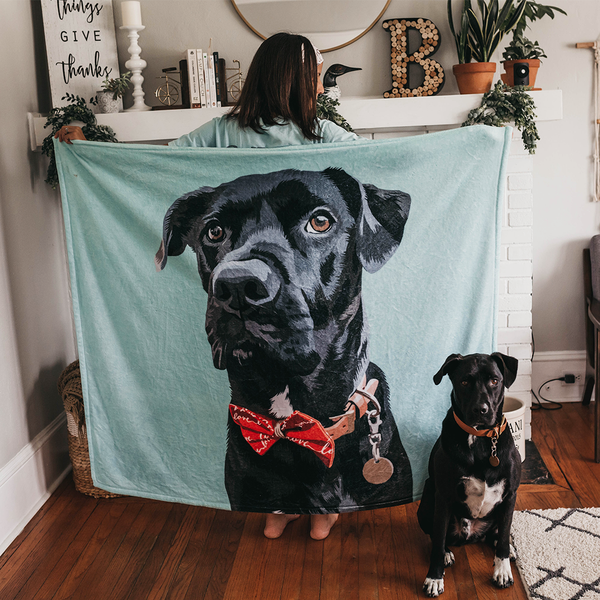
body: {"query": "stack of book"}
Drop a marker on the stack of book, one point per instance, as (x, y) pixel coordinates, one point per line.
(203, 79)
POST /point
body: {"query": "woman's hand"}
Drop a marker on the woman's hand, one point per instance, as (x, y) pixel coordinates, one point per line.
(70, 132)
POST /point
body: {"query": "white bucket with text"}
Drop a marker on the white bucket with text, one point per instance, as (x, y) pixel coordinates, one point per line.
(514, 411)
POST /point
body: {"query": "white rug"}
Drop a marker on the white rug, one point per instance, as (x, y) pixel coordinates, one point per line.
(558, 552)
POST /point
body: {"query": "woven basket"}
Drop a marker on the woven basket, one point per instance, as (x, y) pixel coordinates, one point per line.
(69, 387)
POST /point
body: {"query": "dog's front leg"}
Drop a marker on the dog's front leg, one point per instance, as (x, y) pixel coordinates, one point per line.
(434, 582)
(502, 576)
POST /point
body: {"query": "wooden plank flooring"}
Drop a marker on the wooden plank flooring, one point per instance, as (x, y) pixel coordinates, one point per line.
(77, 547)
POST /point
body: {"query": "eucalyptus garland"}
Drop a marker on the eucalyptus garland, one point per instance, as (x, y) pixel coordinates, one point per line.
(78, 110)
(327, 108)
(502, 105)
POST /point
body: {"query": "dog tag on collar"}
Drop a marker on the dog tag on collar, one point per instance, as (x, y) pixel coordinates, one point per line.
(378, 472)
(494, 461)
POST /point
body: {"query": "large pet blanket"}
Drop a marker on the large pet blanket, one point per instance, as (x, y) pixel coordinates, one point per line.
(258, 329)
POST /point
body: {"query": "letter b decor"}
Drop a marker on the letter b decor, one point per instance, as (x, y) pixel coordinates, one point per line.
(403, 61)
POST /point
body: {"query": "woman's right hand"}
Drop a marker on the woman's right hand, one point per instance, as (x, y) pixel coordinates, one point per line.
(68, 133)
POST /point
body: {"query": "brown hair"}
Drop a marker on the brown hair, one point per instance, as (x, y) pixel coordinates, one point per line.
(281, 85)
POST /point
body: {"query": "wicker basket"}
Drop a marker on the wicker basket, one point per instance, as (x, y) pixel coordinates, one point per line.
(69, 387)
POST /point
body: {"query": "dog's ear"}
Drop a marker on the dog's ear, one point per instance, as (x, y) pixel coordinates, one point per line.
(448, 365)
(380, 216)
(178, 221)
(381, 226)
(508, 365)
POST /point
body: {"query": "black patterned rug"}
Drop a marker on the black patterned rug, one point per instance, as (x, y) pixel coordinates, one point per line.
(558, 552)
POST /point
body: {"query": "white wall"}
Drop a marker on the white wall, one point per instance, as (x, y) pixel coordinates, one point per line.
(36, 339)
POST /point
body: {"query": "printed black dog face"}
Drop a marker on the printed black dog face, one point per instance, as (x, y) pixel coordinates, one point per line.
(273, 251)
(280, 256)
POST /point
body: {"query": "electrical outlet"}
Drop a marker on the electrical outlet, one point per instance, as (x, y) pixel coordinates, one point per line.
(579, 378)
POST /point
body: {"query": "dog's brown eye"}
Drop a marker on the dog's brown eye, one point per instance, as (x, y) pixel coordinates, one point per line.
(494, 381)
(464, 383)
(215, 233)
(320, 223)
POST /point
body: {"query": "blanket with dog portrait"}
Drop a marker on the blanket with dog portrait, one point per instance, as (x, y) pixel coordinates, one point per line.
(258, 328)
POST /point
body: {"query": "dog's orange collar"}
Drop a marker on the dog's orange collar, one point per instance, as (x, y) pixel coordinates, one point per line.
(494, 432)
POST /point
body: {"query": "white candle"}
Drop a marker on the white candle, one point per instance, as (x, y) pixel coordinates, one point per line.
(131, 12)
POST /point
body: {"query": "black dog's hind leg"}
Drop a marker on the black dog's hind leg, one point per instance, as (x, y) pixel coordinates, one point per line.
(502, 576)
(434, 582)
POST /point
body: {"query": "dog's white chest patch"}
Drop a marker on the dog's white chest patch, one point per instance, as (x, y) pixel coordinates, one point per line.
(481, 498)
(281, 407)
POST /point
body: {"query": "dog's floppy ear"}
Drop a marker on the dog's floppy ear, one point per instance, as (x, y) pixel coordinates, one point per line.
(381, 227)
(178, 221)
(448, 365)
(380, 216)
(508, 365)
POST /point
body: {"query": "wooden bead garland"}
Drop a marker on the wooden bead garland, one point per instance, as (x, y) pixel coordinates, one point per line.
(403, 61)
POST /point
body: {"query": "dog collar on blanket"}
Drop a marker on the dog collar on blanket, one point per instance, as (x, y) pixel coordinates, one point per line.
(494, 433)
(261, 432)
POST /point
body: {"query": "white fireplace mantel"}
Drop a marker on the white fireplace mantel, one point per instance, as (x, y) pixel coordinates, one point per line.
(373, 115)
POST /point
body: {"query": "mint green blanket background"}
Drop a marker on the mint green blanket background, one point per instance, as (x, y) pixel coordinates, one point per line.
(156, 408)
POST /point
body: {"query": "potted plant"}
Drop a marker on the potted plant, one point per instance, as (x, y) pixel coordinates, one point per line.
(110, 98)
(521, 49)
(478, 38)
(77, 112)
(504, 105)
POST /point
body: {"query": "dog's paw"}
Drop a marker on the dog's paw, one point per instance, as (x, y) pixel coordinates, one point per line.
(502, 572)
(433, 587)
(448, 559)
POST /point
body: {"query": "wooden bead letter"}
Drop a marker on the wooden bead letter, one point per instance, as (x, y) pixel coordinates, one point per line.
(403, 62)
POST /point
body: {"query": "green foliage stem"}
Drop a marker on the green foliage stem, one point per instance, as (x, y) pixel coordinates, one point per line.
(65, 115)
(502, 105)
(327, 108)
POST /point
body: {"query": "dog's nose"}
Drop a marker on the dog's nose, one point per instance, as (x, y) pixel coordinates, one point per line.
(484, 409)
(238, 285)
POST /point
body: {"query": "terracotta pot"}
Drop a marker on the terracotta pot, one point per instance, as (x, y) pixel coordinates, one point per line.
(474, 78)
(509, 76)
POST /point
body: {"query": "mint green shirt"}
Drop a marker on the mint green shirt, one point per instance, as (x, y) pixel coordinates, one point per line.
(225, 133)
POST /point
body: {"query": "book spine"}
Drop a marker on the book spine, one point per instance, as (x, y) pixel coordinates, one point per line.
(207, 79)
(223, 82)
(211, 76)
(185, 88)
(193, 79)
(217, 78)
(201, 77)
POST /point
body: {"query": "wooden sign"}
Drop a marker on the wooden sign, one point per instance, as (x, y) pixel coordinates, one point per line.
(81, 46)
(404, 61)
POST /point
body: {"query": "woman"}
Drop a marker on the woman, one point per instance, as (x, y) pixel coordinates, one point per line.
(277, 107)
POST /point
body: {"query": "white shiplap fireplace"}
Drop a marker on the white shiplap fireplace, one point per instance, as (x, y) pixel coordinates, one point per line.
(383, 118)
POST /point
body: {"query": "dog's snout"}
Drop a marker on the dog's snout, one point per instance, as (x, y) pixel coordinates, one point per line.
(484, 409)
(238, 285)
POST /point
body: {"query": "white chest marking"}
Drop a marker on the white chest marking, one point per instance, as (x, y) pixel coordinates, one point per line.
(281, 407)
(471, 441)
(482, 498)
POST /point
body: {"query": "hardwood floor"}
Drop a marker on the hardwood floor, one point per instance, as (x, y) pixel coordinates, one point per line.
(77, 547)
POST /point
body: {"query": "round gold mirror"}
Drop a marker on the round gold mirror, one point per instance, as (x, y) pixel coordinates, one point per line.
(328, 24)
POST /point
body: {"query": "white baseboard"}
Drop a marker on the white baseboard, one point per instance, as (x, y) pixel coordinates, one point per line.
(552, 365)
(29, 479)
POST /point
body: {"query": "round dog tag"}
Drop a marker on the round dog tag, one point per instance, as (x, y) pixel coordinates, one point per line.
(494, 461)
(377, 472)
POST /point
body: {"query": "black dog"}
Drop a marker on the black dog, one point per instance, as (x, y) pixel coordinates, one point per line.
(474, 468)
(281, 256)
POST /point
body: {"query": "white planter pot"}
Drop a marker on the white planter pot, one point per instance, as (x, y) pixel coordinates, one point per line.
(514, 411)
(106, 103)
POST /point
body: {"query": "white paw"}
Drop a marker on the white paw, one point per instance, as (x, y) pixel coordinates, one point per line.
(502, 572)
(448, 559)
(433, 587)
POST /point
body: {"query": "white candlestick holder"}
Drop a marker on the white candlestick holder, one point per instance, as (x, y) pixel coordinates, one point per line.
(136, 64)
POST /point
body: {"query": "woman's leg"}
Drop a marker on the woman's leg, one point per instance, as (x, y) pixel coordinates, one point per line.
(276, 524)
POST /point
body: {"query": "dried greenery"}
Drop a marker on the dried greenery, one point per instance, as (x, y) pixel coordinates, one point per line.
(117, 86)
(502, 105)
(65, 115)
(327, 108)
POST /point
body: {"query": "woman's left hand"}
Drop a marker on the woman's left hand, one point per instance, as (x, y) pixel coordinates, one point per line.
(68, 133)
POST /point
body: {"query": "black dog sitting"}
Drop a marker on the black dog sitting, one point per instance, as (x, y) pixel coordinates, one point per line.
(474, 468)
(281, 257)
